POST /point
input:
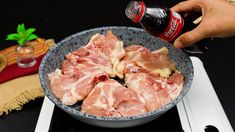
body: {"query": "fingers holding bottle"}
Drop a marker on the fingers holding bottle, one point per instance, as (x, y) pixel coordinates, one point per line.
(191, 37)
(217, 20)
(186, 6)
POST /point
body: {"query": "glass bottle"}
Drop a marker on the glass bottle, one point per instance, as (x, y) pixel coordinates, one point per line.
(162, 22)
(158, 21)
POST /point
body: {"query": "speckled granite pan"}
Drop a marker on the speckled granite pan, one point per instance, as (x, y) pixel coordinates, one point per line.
(129, 35)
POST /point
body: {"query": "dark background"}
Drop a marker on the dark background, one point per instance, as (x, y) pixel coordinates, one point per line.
(59, 19)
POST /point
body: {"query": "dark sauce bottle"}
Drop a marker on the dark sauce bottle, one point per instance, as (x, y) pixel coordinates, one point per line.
(161, 22)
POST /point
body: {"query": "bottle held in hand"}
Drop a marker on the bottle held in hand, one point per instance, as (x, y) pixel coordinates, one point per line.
(160, 22)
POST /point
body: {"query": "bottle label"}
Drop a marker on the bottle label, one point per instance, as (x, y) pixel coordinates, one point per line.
(174, 27)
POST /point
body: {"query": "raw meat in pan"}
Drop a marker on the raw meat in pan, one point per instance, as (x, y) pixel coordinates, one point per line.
(155, 92)
(150, 76)
(85, 67)
(76, 83)
(155, 62)
(110, 98)
(108, 46)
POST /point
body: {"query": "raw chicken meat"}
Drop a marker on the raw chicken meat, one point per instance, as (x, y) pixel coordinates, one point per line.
(85, 67)
(151, 78)
(139, 57)
(154, 92)
(110, 98)
(71, 88)
(107, 46)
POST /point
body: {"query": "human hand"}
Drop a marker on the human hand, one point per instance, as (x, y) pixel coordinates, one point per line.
(218, 20)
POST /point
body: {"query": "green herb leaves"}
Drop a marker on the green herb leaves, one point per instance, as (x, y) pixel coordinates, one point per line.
(22, 36)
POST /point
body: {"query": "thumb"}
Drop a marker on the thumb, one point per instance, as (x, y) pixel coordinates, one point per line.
(190, 37)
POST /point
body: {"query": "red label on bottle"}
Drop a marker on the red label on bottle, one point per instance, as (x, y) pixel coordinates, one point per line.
(174, 27)
(141, 13)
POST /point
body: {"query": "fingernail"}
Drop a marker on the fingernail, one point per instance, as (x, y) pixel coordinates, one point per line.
(178, 44)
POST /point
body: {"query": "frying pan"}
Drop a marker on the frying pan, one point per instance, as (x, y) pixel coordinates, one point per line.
(129, 35)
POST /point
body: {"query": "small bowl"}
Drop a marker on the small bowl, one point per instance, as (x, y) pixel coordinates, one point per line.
(129, 35)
